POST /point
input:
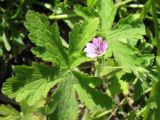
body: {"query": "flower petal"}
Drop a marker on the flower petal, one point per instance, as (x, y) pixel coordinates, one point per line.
(99, 38)
(96, 48)
(91, 55)
(97, 41)
(90, 45)
(104, 46)
(89, 50)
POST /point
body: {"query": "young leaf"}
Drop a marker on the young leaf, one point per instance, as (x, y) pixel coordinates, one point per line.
(107, 13)
(46, 37)
(80, 35)
(31, 83)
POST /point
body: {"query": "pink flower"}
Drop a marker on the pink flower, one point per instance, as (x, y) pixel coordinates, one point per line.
(96, 48)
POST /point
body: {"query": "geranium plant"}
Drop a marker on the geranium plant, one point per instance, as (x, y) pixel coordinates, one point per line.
(57, 88)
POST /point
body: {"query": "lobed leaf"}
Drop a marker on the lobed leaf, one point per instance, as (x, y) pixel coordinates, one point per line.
(129, 29)
(46, 37)
(31, 83)
(107, 12)
(120, 41)
(133, 62)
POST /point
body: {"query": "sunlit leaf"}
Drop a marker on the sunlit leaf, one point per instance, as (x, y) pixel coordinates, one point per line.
(31, 83)
(46, 37)
(107, 13)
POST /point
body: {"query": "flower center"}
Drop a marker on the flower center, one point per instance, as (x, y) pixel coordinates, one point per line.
(98, 50)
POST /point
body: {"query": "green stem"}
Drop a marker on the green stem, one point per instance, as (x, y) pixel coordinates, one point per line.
(135, 6)
(2, 9)
(46, 5)
(18, 10)
(65, 1)
(99, 63)
(154, 83)
(96, 66)
(146, 113)
(146, 9)
(115, 110)
(155, 20)
(63, 16)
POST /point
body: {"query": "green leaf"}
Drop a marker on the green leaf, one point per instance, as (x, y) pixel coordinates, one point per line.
(120, 50)
(91, 97)
(121, 39)
(89, 80)
(1, 52)
(154, 74)
(63, 105)
(85, 12)
(107, 13)
(109, 68)
(139, 89)
(64, 102)
(128, 29)
(124, 87)
(31, 83)
(6, 42)
(146, 9)
(46, 37)
(153, 104)
(80, 35)
(9, 113)
(149, 59)
(114, 87)
(91, 3)
(133, 62)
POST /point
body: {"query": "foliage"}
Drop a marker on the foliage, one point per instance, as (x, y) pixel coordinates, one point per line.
(7, 112)
(53, 79)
